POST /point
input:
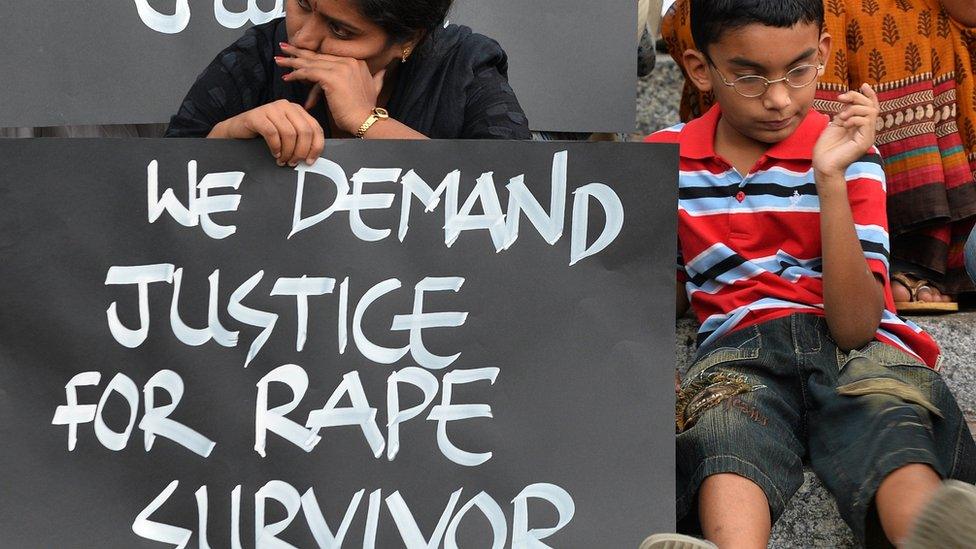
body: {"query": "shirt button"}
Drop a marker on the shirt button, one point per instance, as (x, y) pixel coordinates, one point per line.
(740, 196)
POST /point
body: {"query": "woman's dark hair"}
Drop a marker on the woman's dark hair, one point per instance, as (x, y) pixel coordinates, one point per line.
(402, 19)
(712, 18)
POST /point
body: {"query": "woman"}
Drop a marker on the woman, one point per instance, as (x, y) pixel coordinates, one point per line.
(374, 69)
(919, 55)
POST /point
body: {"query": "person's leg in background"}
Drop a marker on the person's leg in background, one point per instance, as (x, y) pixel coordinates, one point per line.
(970, 255)
(648, 26)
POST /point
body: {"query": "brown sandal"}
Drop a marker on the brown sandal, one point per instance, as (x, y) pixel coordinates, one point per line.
(915, 307)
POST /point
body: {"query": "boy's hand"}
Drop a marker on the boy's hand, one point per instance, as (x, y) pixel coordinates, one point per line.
(849, 135)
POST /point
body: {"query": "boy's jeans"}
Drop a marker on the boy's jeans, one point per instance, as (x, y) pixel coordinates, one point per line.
(765, 399)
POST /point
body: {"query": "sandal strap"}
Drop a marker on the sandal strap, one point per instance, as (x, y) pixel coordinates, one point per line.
(912, 283)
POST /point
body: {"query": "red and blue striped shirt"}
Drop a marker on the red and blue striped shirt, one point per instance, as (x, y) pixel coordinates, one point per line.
(749, 247)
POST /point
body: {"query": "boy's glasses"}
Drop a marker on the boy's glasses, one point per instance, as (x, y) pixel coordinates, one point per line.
(754, 85)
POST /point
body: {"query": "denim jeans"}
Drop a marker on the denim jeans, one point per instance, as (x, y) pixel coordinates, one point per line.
(767, 399)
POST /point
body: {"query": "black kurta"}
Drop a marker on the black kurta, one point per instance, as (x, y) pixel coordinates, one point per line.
(455, 87)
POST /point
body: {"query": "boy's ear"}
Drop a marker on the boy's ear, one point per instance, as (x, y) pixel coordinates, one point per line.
(696, 66)
(825, 45)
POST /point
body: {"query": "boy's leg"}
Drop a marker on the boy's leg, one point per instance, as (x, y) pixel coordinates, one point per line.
(734, 512)
(884, 433)
(948, 520)
(738, 454)
(902, 496)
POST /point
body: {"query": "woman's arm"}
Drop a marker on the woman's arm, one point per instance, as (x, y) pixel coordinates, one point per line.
(390, 129)
(219, 92)
(201, 110)
(491, 109)
(963, 11)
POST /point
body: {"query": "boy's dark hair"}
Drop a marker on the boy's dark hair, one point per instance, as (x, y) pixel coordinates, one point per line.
(401, 19)
(712, 18)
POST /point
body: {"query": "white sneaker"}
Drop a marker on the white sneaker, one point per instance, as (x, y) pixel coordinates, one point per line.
(676, 541)
(948, 521)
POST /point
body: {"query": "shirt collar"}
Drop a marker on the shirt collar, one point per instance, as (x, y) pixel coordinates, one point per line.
(698, 138)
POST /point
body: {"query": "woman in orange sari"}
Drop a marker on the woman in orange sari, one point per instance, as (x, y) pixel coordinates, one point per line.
(919, 56)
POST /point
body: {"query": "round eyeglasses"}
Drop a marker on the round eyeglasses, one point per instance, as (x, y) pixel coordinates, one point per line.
(754, 85)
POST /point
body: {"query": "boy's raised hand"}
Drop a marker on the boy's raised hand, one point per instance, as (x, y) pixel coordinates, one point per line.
(850, 134)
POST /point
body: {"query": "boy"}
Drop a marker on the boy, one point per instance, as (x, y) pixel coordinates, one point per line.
(783, 252)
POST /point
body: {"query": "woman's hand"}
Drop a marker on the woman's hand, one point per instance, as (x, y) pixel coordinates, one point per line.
(292, 134)
(850, 135)
(347, 82)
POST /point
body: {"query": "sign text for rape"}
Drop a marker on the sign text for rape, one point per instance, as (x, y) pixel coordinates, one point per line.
(303, 292)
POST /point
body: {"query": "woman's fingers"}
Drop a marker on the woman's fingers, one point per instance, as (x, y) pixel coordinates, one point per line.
(287, 133)
(318, 144)
(347, 82)
(309, 135)
(295, 51)
(298, 63)
(325, 72)
(325, 77)
(290, 62)
(313, 97)
(291, 133)
(303, 136)
(263, 125)
(301, 53)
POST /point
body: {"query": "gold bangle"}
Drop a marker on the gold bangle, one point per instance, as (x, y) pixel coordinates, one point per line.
(377, 115)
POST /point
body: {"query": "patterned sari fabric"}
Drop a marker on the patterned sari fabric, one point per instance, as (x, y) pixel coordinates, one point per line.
(921, 63)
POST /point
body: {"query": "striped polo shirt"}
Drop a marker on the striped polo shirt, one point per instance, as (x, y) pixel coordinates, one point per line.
(749, 247)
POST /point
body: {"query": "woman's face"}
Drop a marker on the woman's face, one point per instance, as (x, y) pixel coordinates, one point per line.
(336, 27)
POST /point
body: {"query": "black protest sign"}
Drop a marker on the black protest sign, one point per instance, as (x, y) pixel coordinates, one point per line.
(405, 344)
(572, 62)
